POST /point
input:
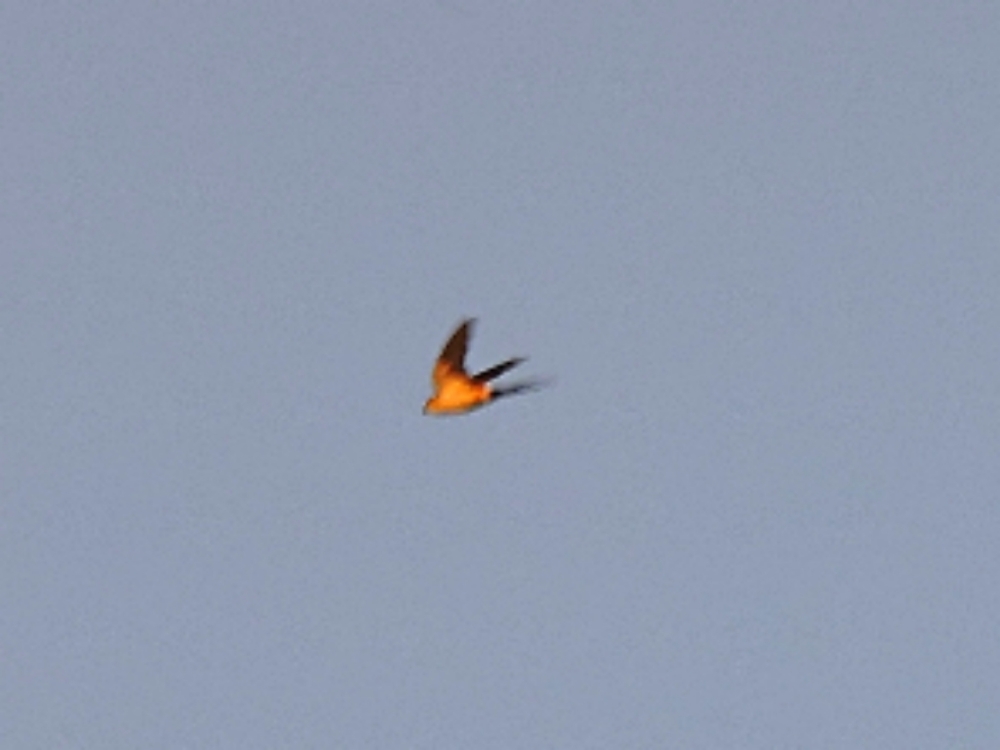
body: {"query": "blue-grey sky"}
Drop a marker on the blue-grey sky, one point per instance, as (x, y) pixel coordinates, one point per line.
(757, 245)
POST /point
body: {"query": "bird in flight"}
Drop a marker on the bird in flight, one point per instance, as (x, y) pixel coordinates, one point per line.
(457, 392)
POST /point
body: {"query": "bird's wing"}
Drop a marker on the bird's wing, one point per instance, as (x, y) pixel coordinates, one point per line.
(452, 357)
(497, 370)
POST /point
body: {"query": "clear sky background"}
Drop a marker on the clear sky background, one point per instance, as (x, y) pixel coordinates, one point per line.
(756, 244)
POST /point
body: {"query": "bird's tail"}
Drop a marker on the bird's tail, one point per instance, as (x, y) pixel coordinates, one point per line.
(514, 388)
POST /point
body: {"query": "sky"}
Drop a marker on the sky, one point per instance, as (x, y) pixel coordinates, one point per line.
(756, 246)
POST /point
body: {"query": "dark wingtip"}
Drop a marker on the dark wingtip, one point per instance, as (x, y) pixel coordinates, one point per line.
(497, 370)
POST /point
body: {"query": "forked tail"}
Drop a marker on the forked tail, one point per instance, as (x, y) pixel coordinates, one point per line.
(514, 388)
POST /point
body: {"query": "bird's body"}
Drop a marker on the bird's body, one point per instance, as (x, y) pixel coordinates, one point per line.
(457, 392)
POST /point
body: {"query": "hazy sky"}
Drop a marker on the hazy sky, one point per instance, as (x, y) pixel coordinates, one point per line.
(756, 244)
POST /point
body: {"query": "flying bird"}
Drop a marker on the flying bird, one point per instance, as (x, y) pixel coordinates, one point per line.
(457, 392)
